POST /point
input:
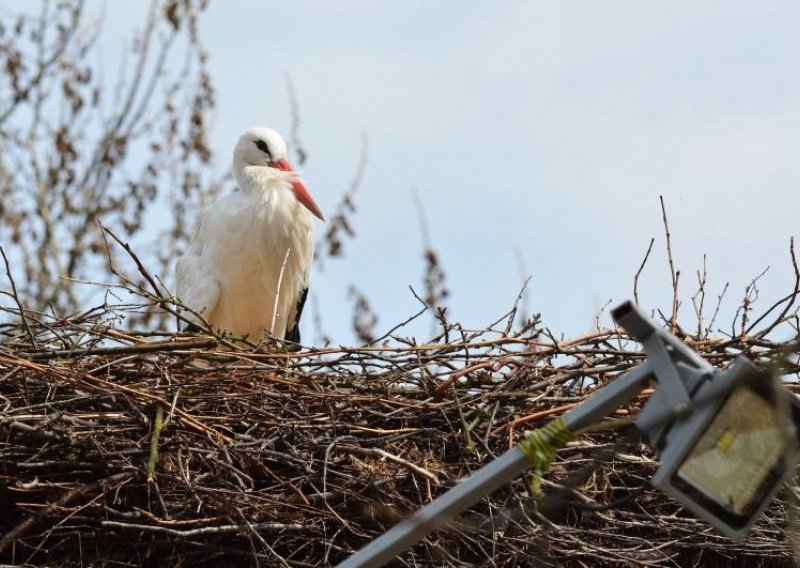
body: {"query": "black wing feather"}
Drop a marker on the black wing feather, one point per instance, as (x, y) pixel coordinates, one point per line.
(294, 333)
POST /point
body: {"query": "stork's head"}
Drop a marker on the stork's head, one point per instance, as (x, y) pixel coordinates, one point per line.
(261, 147)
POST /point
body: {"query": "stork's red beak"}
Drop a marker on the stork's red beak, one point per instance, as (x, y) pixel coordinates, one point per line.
(299, 188)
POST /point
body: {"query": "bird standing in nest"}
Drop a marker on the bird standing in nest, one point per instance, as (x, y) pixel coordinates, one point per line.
(247, 269)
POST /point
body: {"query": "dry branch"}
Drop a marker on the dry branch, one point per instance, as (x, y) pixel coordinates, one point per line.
(301, 458)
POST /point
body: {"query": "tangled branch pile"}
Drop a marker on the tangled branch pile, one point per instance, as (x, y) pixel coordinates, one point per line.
(129, 449)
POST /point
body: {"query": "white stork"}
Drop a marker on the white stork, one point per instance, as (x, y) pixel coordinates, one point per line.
(247, 269)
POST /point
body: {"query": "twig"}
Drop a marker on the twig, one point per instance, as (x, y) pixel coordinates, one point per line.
(221, 529)
(142, 270)
(789, 299)
(466, 427)
(750, 297)
(719, 303)
(22, 316)
(158, 424)
(673, 320)
(152, 347)
(435, 280)
(90, 380)
(278, 293)
(513, 314)
(639, 272)
(701, 293)
(600, 313)
(163, 301)
(391, 457)
(18, 531)
(399, 325)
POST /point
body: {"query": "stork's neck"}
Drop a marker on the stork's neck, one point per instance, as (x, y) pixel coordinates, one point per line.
(259, 180)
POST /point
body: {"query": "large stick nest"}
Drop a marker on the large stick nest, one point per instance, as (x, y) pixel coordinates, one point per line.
(299, 459)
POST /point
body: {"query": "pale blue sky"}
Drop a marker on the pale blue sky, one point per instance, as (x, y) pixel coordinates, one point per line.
(550, 127)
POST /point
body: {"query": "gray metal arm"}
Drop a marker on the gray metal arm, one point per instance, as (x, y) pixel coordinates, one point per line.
(491, 477)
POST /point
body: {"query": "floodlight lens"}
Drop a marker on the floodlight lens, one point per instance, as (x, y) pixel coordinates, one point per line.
(740, 455)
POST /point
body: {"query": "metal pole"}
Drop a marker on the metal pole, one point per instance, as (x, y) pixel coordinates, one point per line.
(434, 515)
(489, 478)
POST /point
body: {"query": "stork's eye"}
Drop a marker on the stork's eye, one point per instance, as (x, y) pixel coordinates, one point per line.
(261, 145)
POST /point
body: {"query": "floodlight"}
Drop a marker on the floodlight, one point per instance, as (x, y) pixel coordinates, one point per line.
(727, 460)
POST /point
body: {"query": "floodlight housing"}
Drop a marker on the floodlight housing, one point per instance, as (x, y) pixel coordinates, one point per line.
(728, 458)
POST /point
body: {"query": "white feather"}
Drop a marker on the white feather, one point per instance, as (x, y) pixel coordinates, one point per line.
(251, 258)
